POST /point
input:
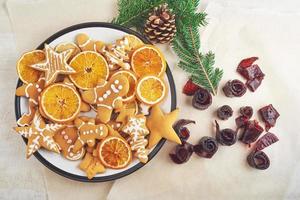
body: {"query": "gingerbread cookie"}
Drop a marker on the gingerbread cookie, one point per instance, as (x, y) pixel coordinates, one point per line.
(66, 46)
(40, 134)
(32, 92)
(136, 128)
(107, 96)
(85, 43)
(160, 126)
(55, 63)
(91, 165)
(117, 54)
(88, 133)
(66, 140)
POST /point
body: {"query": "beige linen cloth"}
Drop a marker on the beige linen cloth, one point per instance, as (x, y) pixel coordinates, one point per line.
(233, 33)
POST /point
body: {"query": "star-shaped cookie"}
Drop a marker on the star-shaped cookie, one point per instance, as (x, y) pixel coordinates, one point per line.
(160, 126)
(54, 64)
(40, 134)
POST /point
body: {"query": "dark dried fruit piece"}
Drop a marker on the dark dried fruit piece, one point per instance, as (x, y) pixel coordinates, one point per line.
(265, 141)
(254, 83)
(207, 147)
(190, 88)
(251, 132)
(269, 115)
(182, 153)
(202, 99)
(241, 121)
(224, 112)
(182, 131)
(234, 88)
(247, 62)
(246, 111)
(258, 160)
(225, 136)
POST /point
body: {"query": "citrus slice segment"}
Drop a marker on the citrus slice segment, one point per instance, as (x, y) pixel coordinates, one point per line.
(60, 102)
(132, 84)
(151, 90)
(25, 72)
(90, 67)
(114, 152)
(66, 46)
(133, 41)
(148, 60)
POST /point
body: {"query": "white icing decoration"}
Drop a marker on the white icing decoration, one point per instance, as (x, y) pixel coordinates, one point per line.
(120, 87)
(105, 96)
(114, 89)
(117, 81)
(66, 137)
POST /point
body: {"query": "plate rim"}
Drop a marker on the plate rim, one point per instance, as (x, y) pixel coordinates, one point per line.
(137, 166)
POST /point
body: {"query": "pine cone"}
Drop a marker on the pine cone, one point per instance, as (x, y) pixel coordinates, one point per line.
(160, 27)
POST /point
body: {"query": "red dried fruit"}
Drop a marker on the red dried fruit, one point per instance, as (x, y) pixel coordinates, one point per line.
(202, 99)
(251, 132)
(225, 136)
(182, 131)
(190, 88)
(247, 62)
(207, 147)
(181, 153)
(254, 83)
(234, 88)
(241, 121)
(258, 160)
(269, 115)
(224, 112)
(265, 141)
(246, 111)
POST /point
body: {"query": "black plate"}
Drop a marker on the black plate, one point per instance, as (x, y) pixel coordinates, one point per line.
(138, 165)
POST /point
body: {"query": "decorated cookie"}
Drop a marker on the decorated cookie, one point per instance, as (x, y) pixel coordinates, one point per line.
(88, 133)
(91, 165)
(40, 134)
(136, 128)
(65, 140)
(160, 126)
(112, 131)
(32, 92)
(117, 54)
(66, 46)
(55, 63)
(123, 115)
(107, 96)
(85, 43)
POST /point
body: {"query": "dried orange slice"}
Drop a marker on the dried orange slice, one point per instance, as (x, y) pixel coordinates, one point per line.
(66, 46)
(148, 60)
(151, 90)
(90, 67)
(25, 72)
(132, 83)
(133, 41)
(114, 152)
(60, 102)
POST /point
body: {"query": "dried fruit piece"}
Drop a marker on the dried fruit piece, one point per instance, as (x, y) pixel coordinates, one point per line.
(258, 160)
(251, 132)
(207, 147)
(225, 136)
(241, 121)
(224, 112)
(190, 88)
(265, 141)
(269, 115)
(202, 99)
(246, 111)
(254, 83)
(234, 88)
(182, 131)
(182, 153)
(247, 62)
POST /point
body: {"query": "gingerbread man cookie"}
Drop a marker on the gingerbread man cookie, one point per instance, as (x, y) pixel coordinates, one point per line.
(107, 96)
(66, 140)
(91, 165)
(88, 133)
(32, 92)
(40, 134)
(136, 128)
